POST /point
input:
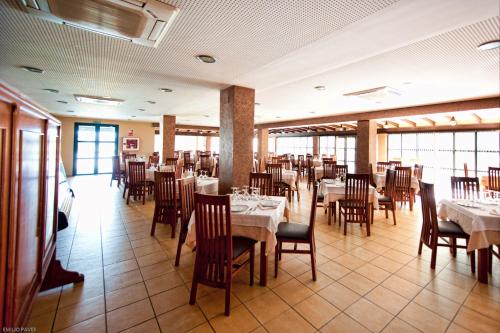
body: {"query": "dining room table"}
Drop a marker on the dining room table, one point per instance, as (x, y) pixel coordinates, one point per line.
(481, 220)
(379, 179)
(334, 190)
(204, 185)
(290, 177)
(254, 218)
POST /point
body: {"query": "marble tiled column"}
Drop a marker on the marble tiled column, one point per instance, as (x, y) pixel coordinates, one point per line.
(236, 134)
(208, 143)
(366, 145)
(315, 145)
(168, 136)
(262, 147)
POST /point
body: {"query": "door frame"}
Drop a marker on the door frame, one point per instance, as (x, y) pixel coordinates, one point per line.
(96, 151)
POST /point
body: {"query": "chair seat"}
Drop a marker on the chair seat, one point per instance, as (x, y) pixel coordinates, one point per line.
(291, 230)
(384, 198)
(450, 228)
(241, 244)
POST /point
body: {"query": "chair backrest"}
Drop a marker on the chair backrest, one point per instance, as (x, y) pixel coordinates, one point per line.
(165, 192)
(171, 161)
(116, 165)
(429, 232)
(216, 162)
(154, 160)
(356, 188)
(205, 162)
(187, 156)
(213, 239)
(390, 183)
(285, 164)
(315, 156)
(136, 172)
(276, 159)
(327, 159)
(403, 178)
(329, 169)
(312, 216)
(382, 166)
(494, 178)
(189, 166)
(264, 181)
(300, 158)
(465, 188)
(176, 154)
(466, 170)
(275, 170)
(187, 188)
(418, 171)
(339, 169)
(395, 163)
(126, 156)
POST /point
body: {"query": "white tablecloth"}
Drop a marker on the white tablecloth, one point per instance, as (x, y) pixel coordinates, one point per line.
(482, 226)
(336, 191)
(379, 179)
(318, 173)
(203, 185)
(289, 177)
(260, 224)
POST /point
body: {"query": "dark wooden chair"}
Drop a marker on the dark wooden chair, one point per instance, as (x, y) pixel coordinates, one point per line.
(187, 188)
(218, 254)
(216, 166)
(329, 169)
(125, 159)
(402, 187)
(171, 161)
(136, 181)
(327, 159)
(301, 164)
(418, 171)
(285, 164)
(264, 181)
(165, 201)
(387, 200)
(280, 188)
(354, 207)
(298, 233)
(154, 160)
(434, 229)
(395, 163)
(189, 166)
(187, 157)
(465, 188)
(311, 176)
(382, 166)
(127, 156)
(276, 159)
(117, 173)
(494, 179)
(205, 163)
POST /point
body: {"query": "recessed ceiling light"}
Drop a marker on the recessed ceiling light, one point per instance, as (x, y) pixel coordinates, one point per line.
(312, 112)
(490, 45)
(386, 124)
(62, 102)
(278, 117)
(151, 102)
(99, 100)
(54, 91)
(320, 88)
(33, 69)
(453, 121)
(168, 90)
(132, 116)
(141, 110)
(206, 58)
(71, 111)
(206, 116)
(257, 104)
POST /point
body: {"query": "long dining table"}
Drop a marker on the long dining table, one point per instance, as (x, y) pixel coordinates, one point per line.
(256, 222)
(481, 220)
(204, 185)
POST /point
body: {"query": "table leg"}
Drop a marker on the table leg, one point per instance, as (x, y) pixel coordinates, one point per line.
(263, 264)
(482, 265)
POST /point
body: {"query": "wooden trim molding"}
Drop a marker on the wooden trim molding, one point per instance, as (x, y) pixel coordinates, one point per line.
(447, 128)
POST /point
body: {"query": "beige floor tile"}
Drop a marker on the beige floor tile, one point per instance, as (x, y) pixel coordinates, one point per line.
(150, 326)
(293, 292)
(423, 319)
(163, 282)
(125, 296)
(369, 315)
(386, 299)
(152, 258)
(358, 283)
(437, 304)
(322, 280)
(339, 295)
(415, 276)
(349, 261)
(363, 253)
(401, 287)
(240, 320)
(386, 264)
(170, 299)
(330, 252)
(448, 290)
(181, 319)
(373, 273)
(95, 325)
(316, 310)
(155, 270)
(334, 270)
(399, 326)
(129, 316)
(454, 328)
(203, 328)
(76, 313)
(485, 306)
(245, 292)
(43, 323)
(342, 324)
(397, 256)
(476, 322)
(123, 280)
(267, 306)
(294, 267)
(289, 321)
(213, 304)
(120, 267)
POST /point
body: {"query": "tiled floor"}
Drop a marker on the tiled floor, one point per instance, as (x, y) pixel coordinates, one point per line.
(375, 283)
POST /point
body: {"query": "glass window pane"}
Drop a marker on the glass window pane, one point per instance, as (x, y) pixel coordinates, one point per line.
(214, 144)
(465, 141)
(409, 141)
(86, 133)
(84, 166)
(444, 141)
(106, 149)
(488, 141)
(86, 149)
(465, 157)
(105, 165)
(107, 133)
(394, 141)
(351, 142)
(485, 160)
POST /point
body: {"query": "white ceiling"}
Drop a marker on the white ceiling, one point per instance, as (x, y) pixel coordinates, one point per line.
(424, 48)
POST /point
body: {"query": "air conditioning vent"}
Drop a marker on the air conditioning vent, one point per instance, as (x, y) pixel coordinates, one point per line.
(142, 22)
(379, 94)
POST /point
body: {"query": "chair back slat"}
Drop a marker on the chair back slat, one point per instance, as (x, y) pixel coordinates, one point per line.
(403, 178)
(165, 190)
(395, 163)
(213, 239)
(205, 162)
(328, 169)
(285, 164)
(116, 165)
(276, 159)
(187, 157)
(390, 183)
(465, 188)
(275, 170)
(187, 188)
(312, 216)
(154, 160)
(429, 231)
(264, 181)
(136, 172)
(356, 188)
(494, 179)
(418, 171)
(382, 166)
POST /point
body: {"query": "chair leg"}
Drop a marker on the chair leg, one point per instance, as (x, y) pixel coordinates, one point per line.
(125, 186)
(490, 259)
(313, 260)
(280, 248)
(334, 211)
(194, 288)
(393, 209)
(155, 218)
(227, 302)
(276, 255)
(128, 196)
(368, 225)
(453, 242)
(144, 194)
(182, 238)
(386, 212)
(433, 257)
(252, 264)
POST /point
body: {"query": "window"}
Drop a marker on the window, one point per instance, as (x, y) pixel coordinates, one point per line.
(158, 144)
(214, 144)
(343, 147)
(294, 145)
(271, 145)
(327, 145)
(190, 142)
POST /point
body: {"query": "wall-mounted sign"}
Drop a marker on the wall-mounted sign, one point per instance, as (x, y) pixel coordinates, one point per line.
(130, 144)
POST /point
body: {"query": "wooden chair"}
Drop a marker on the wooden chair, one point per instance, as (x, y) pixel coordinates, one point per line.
(433, 229)
(339, 169)
(264, 181)
(187, 157)
(187, 188)
(189, 166)
(216, 250)
(418, 171)
(465, 188)
(327, 159)
(402, 187)
(466, 170)
(126, 156)
(275, 159)
(205, 163)
(154, 160)
(387, 200)
(165, 201)
(328, 169)
(171, 161)
(311, 176)
(136, 181)
(382, 166)
(331, 171)
(494, 179)
(280, 187)
(117, 173)
(285, 164)
(395, 163)
(354, 207)
(301, 164)
(298, 233)
(216, 166)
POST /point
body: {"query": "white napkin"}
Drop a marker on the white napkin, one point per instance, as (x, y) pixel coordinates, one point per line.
(495, 211)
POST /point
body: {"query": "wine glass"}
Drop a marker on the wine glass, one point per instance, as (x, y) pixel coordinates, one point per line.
(235, 190)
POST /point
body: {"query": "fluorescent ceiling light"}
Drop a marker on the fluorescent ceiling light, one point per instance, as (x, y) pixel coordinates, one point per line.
(492, 44)
(379, 94)
(99, 100)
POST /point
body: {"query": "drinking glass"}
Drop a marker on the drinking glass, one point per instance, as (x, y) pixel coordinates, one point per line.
(235, 190)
